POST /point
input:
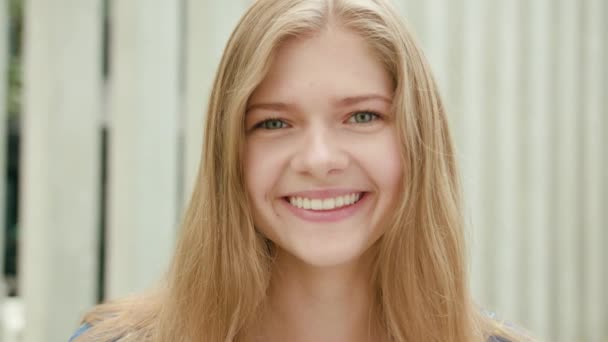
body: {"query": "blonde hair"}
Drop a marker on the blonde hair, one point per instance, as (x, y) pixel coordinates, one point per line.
(221, 269)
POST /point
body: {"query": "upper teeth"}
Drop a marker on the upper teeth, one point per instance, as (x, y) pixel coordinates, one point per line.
(324, 204)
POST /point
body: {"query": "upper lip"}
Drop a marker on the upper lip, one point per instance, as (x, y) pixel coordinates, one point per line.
(321, 194)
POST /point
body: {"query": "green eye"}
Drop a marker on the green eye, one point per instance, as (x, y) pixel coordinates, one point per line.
(271, 124)
(363, 117)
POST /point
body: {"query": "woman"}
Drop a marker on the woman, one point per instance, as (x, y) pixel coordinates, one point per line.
(327, 205)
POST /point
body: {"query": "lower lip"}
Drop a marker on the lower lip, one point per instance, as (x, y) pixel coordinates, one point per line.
(331, 215)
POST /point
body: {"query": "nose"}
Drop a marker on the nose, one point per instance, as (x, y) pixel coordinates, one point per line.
(320, 153)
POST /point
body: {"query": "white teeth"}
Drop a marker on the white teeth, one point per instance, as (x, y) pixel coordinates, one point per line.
(339, 201)
(324, 204)
(329, 203)
(316, 204)
(306, 203)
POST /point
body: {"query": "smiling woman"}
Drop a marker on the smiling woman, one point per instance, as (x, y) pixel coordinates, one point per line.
(332, 138)
(327, 205)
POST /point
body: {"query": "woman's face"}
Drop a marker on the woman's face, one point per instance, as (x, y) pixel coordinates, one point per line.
(322, 162)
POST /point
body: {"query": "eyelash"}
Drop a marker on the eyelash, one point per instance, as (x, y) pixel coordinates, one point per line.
(260, 124)
(376, 116)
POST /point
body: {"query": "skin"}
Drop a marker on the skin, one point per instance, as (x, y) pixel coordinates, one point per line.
(322, 120)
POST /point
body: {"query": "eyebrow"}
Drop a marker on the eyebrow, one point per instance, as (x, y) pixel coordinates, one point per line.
(352, 100)
(343, 102)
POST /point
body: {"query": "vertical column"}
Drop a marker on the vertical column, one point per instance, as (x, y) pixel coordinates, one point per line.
(603, 302)
(143, 143)
(604, 270)
(566, 165)
(487, 149)
(209, 24)
(593, 313)
(535, 285)
(437, 40)
(414, 13)
(473, 122)
(453, 67)
(60, 165)
(504, 112)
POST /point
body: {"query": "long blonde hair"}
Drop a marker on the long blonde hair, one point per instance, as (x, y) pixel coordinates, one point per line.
(221, 270)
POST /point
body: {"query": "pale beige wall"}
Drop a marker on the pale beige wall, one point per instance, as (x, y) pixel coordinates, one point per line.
(60, 166)
(208, 26)
(143, 152)
(526, 92)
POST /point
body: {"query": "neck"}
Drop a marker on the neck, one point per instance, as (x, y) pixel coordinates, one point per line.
(308, 303)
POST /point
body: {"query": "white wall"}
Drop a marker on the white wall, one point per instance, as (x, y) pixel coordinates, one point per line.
(143, 150)
(526, 91)
(60, 166)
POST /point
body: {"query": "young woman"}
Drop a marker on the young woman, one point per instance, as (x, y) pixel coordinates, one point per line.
(327, 206)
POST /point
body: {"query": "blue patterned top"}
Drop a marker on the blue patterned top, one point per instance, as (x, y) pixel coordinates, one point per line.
(79, 332)
(86, 326)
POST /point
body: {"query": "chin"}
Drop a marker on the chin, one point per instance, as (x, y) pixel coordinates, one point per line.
(329, 255)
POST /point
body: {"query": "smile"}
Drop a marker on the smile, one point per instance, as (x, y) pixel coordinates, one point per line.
(319, 204)
(326, 209)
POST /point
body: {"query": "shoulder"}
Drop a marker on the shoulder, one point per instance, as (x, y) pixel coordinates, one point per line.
(80, 331)
(127, 319)
(503, 330)
(88, 333)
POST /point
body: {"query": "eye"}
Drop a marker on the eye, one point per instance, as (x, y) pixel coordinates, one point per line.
(363, 117)
(271, 124)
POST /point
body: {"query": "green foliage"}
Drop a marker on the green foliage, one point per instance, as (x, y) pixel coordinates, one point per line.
(14, 67)
(14, 87)
(15, 8)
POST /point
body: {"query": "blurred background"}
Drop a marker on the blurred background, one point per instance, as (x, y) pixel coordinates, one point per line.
(101, 112)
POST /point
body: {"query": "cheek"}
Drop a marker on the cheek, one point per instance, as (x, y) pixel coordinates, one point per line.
(382, 159)
(393, 166)
(262, 165)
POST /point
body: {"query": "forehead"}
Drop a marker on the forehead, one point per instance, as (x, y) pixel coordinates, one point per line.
(334, 63)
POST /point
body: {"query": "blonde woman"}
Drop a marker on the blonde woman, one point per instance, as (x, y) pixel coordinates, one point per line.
(327, 205)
